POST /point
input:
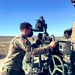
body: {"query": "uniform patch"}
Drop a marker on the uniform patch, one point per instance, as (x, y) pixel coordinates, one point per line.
(25, 41)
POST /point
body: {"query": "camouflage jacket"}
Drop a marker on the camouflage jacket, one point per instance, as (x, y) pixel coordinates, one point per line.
(42, 50)
(18, 47)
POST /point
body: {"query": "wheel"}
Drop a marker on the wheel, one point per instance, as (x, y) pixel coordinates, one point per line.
(56, 66)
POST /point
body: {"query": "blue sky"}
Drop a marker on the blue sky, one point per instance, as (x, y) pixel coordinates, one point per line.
(58, 14)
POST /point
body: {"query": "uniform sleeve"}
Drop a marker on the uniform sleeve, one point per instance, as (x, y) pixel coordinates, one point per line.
(42, 50)
(19, 44)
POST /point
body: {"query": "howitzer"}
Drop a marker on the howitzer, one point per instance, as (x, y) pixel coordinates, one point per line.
(45, 64)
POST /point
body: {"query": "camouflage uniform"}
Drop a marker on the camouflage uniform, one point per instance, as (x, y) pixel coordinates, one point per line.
(13, 62)
(42, 50)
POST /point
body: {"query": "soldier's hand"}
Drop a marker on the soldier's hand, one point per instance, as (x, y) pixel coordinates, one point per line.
(52, 44)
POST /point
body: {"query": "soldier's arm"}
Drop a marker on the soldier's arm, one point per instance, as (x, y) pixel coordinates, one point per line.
(45, 49)
(42, 50)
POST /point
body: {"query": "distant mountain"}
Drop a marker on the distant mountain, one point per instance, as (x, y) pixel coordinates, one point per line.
(7, 36)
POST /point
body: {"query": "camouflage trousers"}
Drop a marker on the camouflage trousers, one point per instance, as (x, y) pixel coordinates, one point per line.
(72, 58)
(8, 71)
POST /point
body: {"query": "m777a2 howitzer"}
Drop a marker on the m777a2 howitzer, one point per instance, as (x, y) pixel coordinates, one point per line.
(49, 63)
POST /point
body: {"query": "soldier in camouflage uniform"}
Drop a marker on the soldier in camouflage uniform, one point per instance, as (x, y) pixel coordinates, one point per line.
(18, 47)
(72, 56)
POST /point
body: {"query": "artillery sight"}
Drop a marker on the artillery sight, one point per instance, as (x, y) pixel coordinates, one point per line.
(41, 26)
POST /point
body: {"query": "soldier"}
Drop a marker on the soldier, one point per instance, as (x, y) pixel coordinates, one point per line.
(41, 25)
(72, 56)
(18, 47)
